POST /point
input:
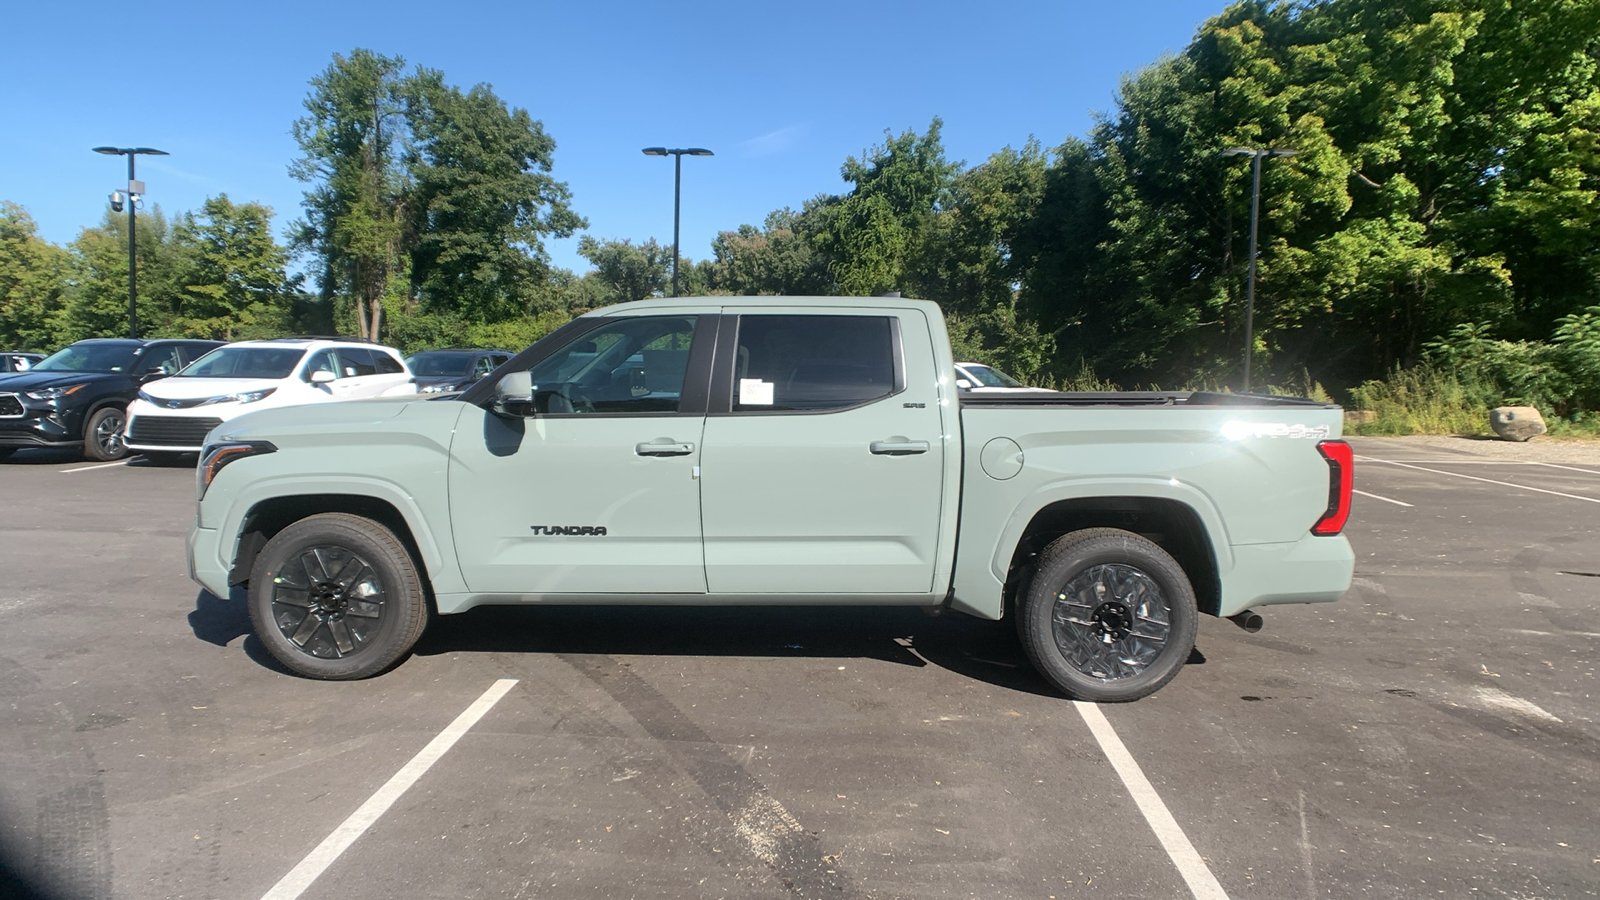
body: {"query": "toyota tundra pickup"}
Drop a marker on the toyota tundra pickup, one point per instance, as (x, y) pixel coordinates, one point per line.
(782, 450)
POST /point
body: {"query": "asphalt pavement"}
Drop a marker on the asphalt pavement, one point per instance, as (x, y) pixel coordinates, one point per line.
(1434, 733)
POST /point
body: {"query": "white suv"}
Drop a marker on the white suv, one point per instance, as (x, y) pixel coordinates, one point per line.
(173, 415)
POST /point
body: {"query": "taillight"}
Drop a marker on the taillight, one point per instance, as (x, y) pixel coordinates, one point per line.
(1341, 481)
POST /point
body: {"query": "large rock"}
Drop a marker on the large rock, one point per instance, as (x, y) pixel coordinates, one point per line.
(1516, 423)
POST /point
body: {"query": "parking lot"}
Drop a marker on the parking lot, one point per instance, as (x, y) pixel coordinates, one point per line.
(1432, 734)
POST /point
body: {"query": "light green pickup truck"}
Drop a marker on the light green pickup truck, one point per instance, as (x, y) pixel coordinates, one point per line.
(779, 450)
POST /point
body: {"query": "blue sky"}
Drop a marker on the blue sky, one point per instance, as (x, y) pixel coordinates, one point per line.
(781, 92)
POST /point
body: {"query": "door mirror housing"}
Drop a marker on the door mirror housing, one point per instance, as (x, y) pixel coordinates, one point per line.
(963, 385)
(513, 395)
(323, 377)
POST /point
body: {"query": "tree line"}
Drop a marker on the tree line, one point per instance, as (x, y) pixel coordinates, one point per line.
(1445, 187)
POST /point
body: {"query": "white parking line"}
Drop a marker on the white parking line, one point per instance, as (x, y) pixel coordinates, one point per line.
(1202, 883)
(1508, 484)
(101, 466)
(1376, 497)
(300, 877)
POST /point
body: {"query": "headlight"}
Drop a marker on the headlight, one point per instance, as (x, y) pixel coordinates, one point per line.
(214, 457)
(147, 398)
(242, 397)
(53, 393)
(438, 388)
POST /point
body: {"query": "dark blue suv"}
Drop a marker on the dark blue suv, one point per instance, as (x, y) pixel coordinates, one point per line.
(78, 396)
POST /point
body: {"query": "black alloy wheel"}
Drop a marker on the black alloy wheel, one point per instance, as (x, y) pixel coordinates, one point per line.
(1109, 617)
(336, 596)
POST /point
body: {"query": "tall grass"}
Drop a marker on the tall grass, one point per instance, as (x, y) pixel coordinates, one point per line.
(1419, 400)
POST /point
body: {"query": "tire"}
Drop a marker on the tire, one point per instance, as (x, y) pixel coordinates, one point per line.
(1109, 617)
(337, 597)
(102, 434)
(5, 452)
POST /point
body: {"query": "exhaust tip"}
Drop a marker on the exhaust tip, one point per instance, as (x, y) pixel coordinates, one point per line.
(1248, 620)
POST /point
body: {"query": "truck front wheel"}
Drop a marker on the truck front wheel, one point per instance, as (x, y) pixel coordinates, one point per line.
(1109, 616)
(337, 597)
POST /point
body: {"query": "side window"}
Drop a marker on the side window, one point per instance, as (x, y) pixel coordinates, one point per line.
(160, 359)
(355, 362)
(323, 361)
(812, 362)
(631, 365)
(387, 364)
(486, 364)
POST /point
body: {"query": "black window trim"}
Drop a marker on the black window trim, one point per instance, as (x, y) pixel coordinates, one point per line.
(728, 349)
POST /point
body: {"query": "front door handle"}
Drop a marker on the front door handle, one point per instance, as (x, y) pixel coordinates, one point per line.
(663, 447)
(899, 446)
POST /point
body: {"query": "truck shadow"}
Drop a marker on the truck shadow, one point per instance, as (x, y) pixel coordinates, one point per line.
(978, 649)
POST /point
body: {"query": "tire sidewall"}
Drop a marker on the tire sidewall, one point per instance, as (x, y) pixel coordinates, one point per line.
(403, 598)
(1075, 556)
(91, 429)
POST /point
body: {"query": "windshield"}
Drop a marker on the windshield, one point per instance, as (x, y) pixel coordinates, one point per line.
(448, 364)
(245, 362)
(90, 358)
(988, 377)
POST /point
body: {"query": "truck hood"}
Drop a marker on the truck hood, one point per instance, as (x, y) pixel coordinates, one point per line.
(322, 419)
(36, 381)
(200, 388)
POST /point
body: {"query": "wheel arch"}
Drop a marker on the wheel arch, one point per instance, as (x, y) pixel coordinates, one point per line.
(270, 516)
(1171, 524)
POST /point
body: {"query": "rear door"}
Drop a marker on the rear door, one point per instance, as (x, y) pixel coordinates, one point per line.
(824, 460)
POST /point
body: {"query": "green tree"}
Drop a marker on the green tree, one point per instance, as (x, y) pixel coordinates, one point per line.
(355, 213)
(628, 271)
(483, 201)
(874, 238)
(33, 282)
(97, 296)
(777, 258)
(231, 275)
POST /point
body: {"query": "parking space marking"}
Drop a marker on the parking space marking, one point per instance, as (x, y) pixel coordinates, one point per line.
(101, 466)
(1202, 883)
(300, 877)
(1483, 462)
(1384, 499)
(1508, 484)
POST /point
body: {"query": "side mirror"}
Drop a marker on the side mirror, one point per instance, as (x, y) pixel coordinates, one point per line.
(323, 378)
(963, 385)
(513, 395)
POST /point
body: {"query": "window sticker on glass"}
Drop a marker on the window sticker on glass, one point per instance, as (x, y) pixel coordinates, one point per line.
(755, 392)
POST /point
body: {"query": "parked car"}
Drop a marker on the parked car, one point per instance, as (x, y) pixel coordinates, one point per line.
(173, 417)
(17, 361)
(708, 451)
(974, 376)
(443, 371)
(77, 397)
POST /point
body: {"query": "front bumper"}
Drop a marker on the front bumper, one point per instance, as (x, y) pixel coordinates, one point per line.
(39, 424)
(206, 567)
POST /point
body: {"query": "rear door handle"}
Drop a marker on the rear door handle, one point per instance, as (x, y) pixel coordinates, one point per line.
(663, 447)
(899, 446)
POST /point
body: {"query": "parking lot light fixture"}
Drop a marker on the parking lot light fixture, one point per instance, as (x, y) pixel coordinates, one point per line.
(135, 191)
(1255, 205)
(677, 154)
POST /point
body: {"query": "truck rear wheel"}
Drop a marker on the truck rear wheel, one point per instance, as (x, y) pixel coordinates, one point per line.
(337, 597)
(1109, 616)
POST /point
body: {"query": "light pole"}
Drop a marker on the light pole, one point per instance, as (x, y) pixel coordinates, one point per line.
(135, 192)
(1255, 207)
(677, 155)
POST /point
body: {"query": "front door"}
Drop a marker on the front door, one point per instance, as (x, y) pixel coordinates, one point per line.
(598, 491)
(825, 473)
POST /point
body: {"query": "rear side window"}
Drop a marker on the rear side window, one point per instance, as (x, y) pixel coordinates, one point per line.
(355, 362)
(387, 365)
(812, 362)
